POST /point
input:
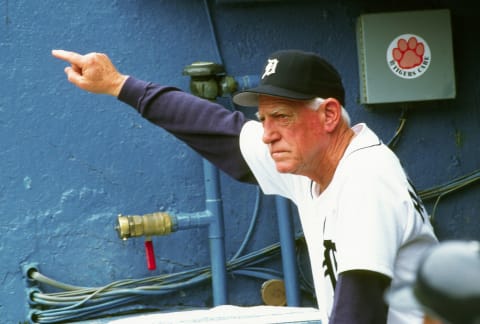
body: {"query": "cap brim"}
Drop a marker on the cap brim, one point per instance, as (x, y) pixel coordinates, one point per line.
(402, 298)
(249, 98)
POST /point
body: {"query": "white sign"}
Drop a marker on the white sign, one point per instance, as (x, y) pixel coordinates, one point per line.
(408, 56)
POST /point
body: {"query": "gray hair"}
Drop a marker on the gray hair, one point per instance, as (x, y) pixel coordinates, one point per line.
(315, 103)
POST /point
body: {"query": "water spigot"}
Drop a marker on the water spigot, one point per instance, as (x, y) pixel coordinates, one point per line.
(144, 225)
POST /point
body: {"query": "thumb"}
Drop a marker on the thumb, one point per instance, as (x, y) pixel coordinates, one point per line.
(75, 77)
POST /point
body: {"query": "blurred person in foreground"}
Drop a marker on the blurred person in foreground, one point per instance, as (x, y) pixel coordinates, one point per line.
(447, 285)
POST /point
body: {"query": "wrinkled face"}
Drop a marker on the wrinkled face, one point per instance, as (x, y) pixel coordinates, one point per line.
(293, 133)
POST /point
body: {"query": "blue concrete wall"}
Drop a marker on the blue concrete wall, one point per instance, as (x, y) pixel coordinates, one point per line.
(72, 161)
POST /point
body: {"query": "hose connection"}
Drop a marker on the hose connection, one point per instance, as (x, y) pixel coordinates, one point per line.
(152, 224)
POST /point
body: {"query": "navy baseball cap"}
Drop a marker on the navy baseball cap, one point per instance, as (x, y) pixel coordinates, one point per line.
(297, 75)
(447, 285)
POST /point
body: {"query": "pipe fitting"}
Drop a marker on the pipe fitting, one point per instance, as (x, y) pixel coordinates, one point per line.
(33, 316)
(208, 80)
(28, 271)
(144, 225)
(31, 296)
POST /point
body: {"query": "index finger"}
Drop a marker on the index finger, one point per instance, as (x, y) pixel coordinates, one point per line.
(68, 56)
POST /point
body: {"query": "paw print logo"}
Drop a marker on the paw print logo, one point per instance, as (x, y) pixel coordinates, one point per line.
(408, 56)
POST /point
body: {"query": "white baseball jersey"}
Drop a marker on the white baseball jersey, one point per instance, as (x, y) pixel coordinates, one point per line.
(368, 218)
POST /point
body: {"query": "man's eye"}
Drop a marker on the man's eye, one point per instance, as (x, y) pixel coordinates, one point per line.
(282, 117)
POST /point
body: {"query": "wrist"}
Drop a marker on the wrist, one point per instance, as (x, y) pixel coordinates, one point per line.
(118, 84)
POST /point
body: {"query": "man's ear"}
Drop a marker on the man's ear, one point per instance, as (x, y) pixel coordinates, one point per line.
(333, 113)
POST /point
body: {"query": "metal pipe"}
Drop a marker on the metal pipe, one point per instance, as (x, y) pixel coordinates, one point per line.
(184, 221)
(216, 230)
(287, 239)
(287, 243)
(216, 234)
(245, 82)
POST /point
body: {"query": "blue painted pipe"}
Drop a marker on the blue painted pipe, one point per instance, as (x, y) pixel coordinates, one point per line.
(184, 221)
(216, 234)
(287, 244)
(287, 239)
(246, 81)
(213, 217)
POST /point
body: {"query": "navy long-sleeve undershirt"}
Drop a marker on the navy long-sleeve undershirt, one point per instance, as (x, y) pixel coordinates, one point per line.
(207, 127)
(213, 131)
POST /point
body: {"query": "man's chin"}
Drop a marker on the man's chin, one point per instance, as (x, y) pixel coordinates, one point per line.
(284, 168)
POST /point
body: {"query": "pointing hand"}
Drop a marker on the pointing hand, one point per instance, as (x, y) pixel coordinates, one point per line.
(93, 72)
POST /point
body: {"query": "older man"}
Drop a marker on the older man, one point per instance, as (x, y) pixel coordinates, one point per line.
(364, 225)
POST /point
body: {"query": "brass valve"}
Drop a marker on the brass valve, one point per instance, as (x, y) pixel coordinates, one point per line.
(144, 225)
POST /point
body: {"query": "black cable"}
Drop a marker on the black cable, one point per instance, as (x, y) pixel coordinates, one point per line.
(401, 124)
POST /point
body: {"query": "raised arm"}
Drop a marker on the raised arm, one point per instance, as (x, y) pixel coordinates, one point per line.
(209, 128)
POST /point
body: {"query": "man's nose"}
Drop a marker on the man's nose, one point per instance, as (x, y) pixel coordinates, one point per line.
(270, 134)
